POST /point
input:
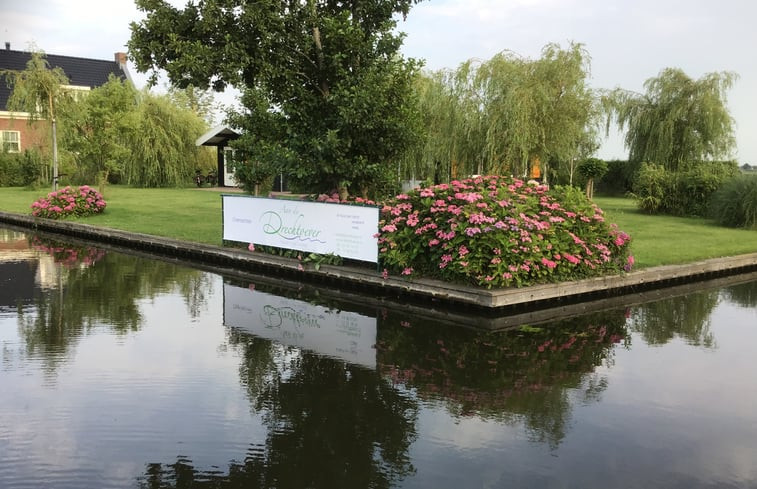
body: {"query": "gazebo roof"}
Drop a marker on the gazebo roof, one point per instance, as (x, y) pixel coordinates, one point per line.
(218, 136)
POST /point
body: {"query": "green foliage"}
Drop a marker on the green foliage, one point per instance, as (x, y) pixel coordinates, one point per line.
(96, 130)
(620, 177)
(162, 144)
(199, 102)
(735, 203)
(683, 193)
(678, 121)
(69, 202)
(20, 169)
(494, 231)
(327, 77)
(39, 91)
(593, 168)
(495, 117)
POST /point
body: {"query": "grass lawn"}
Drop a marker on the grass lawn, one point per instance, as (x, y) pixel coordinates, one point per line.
(666, 240)
(195, 215)
(188, 214)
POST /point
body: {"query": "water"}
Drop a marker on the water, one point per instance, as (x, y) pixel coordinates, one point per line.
(118, 371)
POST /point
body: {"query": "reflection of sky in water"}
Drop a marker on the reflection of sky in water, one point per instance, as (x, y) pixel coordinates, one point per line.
(671, 414)
(123, 401)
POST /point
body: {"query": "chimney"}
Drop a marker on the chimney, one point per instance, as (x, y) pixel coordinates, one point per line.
(7, 46)
(121, 59)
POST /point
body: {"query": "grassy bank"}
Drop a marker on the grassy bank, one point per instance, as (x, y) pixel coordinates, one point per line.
(195, 215)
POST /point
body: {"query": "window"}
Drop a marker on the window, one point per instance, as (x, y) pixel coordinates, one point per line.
(11, 141)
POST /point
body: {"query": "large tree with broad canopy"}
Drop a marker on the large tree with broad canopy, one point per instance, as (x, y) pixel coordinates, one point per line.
(328, 97)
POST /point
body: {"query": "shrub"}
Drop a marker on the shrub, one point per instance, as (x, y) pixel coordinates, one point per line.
(20, 169)
(683, 193)
(499, 231)
(735, 203)
(67, 201)
(619, 178)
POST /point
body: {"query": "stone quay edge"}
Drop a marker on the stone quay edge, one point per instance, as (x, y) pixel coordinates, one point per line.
(570, 296)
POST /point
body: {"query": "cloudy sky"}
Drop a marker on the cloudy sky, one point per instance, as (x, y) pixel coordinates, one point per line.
(629, 40)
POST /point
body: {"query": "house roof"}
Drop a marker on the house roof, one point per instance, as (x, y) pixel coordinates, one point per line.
(218, 136)
(82, 72)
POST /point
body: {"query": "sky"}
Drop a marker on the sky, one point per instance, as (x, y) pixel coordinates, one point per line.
(629, 41)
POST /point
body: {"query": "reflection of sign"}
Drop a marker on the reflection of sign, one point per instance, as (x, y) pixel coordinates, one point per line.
(344, 334)
(345, 230)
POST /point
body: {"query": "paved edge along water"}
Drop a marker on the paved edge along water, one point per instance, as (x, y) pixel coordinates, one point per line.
(241, 262)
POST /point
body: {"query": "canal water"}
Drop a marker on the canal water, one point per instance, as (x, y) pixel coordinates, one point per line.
(125, 372)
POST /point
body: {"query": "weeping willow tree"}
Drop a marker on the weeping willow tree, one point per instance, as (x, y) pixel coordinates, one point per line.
(39, 91)
(162, 144)
(678, 121)
(505, 114)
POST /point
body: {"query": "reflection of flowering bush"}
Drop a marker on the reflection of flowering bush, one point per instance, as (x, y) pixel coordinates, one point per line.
(498, 372)
(67, 201)
(69, 255)
(498, 231)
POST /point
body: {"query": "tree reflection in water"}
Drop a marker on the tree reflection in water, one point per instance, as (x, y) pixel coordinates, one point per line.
(744, 295)
(330, 424)
(686, 317)
(530, 374)
(97, 289)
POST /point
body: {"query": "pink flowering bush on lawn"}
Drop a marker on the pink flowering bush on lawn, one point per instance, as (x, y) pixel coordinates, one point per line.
(499, 232)
(80, 202)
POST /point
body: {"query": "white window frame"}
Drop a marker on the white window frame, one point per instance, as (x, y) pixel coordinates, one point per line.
(6, 141)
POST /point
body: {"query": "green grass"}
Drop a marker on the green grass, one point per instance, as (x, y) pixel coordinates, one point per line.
(666, 240)
(195, 215)
(182, 213)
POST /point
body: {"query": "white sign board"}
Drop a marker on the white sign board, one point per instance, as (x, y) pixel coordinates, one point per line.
(348, 231)
(339, 334)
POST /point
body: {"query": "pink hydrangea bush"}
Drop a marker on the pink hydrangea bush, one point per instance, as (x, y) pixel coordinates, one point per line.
(499, 232)
(80, 202)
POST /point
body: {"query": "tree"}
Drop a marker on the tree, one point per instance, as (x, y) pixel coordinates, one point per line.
(162, 143)
(96, 129)
(330, 73)
(198, 101)
(39, 90)
(508, 113)
(592, 169)
(678, 121)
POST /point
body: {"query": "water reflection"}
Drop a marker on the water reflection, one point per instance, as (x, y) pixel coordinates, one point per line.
(283, 387)
(529, 375)
(744, 295)
(686, 317)
(88, 288)
(329, 331)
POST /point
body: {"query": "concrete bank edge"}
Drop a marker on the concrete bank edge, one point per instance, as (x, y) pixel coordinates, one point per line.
(370, 281)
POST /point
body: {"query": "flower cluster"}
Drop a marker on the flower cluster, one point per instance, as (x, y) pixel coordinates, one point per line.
(500, 231)
(69, 256)
(68, 201)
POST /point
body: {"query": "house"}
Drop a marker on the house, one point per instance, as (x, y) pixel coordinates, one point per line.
(83, 74)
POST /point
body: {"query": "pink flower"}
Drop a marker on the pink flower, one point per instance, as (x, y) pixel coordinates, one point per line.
(548, 263)
(407, 271)
(251, 247)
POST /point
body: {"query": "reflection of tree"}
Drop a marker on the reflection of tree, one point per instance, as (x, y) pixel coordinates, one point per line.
(744, 295)
(687, 317)
(330, 425)
(526, 375)
(105, 292)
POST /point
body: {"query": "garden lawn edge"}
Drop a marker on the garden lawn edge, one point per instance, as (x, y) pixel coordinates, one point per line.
(493, 302)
